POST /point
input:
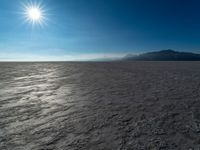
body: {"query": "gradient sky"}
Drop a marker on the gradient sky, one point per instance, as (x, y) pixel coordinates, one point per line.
(88, 29)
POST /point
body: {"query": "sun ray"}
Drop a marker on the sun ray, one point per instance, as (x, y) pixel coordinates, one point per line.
(35, 13)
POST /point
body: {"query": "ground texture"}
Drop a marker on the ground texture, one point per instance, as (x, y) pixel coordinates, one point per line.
(100, 106)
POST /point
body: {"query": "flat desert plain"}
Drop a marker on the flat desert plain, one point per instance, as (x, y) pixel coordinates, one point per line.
(100, 106)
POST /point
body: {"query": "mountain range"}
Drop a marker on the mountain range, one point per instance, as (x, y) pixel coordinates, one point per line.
(164, 55)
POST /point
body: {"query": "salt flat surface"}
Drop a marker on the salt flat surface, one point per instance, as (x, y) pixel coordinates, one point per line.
(100, 106)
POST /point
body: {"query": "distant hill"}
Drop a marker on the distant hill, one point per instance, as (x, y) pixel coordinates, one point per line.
(164, 55)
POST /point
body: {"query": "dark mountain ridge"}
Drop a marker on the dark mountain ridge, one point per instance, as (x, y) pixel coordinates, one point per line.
(164, 55)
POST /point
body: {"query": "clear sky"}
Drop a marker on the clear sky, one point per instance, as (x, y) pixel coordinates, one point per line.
(88, 29)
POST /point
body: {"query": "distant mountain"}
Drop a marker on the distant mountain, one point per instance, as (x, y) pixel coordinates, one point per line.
(164, 55)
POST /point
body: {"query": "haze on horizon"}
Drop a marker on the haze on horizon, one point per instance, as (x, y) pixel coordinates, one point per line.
(90, 29)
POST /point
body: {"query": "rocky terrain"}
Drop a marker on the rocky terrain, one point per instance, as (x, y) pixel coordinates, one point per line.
(100, 106)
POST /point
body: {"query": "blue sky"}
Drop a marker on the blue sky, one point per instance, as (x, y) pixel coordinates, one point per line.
(89, 29)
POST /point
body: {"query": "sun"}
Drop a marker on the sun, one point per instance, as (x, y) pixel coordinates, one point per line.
(35, 14)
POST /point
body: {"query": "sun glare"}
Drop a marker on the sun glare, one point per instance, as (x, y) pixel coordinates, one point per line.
(35, 14)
